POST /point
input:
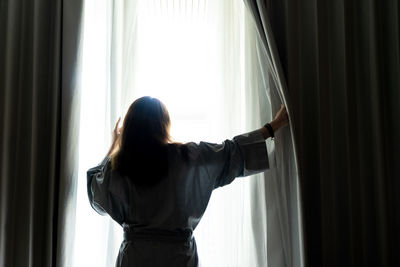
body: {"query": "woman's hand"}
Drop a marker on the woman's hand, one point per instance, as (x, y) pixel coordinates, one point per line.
(281, 119)
(116, 132)
(115, 136)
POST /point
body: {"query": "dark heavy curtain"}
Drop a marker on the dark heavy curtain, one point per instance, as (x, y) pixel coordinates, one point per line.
(341, 60)
(38, 100)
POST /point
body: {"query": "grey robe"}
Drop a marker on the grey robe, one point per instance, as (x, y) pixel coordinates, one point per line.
(158, 221)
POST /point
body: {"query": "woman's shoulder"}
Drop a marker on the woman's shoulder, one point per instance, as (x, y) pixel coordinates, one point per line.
(186, 151)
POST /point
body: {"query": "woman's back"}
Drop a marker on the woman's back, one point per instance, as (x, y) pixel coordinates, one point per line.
(159, 220)
(159, 191)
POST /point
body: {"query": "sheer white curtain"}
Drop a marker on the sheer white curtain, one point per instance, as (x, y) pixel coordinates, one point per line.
(198, 57)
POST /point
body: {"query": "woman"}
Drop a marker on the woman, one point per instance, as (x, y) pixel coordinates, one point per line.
(158, 190)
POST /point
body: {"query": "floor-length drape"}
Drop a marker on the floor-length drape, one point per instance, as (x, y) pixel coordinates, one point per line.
(342, 63)
(283, 213)
(38, 108)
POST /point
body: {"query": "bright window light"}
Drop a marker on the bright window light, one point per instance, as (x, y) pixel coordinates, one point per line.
(190, 57)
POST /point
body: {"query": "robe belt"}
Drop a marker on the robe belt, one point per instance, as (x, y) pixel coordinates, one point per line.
(157, 235)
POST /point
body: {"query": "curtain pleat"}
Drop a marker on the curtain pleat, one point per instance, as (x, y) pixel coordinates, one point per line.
(35, 83)
(341, 60)
(72, 12)
(284, 222)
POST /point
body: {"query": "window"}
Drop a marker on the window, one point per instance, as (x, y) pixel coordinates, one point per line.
(190, 55)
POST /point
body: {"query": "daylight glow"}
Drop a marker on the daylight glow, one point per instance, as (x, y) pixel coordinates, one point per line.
(176, 59)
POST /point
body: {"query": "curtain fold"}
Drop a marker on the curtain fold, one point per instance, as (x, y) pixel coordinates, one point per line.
(283, 210)
(71, 47)
(342, 63)
(38, 59)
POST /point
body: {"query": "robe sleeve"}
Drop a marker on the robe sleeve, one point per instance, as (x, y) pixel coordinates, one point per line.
(100, 193)
(245, 155)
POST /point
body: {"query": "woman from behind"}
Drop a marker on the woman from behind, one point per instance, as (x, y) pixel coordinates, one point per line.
(158, 190)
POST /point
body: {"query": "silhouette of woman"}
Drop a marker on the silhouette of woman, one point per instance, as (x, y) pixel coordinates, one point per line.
(158, 190)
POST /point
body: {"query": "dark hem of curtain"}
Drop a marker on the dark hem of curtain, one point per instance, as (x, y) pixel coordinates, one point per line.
(57, 173)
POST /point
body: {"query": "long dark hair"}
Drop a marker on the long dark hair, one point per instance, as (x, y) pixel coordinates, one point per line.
(142, 146)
